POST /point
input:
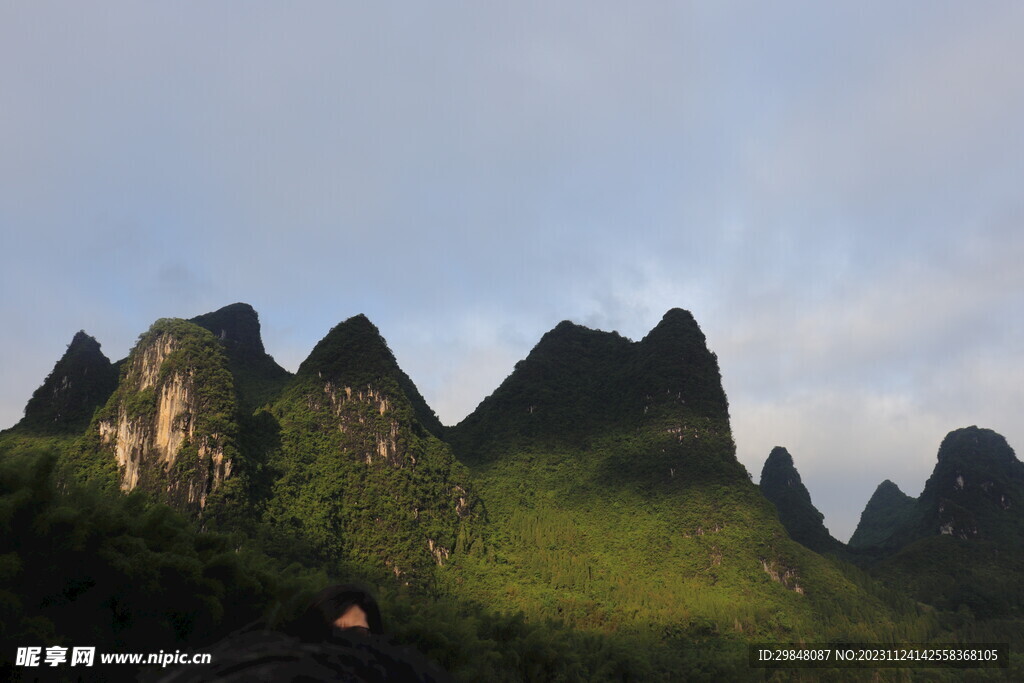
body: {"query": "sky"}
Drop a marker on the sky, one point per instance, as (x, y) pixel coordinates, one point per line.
(833, 189)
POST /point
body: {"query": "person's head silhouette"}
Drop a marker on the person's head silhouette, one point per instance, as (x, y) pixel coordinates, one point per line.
(347, 608)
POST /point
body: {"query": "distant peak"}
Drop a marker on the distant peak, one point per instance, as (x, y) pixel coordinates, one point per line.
(237, 311)
(678, 315)
(779, 457)
(351, 344)
(358, 327)
(975, 445)
(82, 341)
(355, 354)
(676, 324)
(779, 470)
(568, 334)
(886, 512)
(781, 484)
(238, 307)
(359, 320)
(237, 324)
(567, 328)
(80, 381)
(887, 491)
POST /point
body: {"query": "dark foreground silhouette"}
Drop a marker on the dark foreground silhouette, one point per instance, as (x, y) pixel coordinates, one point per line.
(274, 656)
(340, 637)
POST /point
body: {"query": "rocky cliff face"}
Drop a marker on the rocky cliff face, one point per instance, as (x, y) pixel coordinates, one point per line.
(169, 425)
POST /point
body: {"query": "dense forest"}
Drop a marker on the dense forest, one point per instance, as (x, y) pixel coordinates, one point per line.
(588, 521)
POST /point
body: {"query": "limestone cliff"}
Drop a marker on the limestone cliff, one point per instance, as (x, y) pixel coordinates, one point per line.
(170, 425)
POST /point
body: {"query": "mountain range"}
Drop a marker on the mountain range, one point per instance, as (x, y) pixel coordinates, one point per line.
(597, 488)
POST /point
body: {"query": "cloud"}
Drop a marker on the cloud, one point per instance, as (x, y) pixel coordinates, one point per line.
(832, 190)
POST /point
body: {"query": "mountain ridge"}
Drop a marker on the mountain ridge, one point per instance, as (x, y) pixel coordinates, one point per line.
(598, 485)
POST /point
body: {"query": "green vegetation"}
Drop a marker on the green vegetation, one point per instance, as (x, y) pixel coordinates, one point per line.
(595, 525)
(357, 474)
(886, 511)
(616, 504)
(955, 574)
(258, 379)
(960, 546)
(79, 565)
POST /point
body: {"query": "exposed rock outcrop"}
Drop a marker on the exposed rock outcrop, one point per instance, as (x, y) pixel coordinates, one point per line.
(169, 425)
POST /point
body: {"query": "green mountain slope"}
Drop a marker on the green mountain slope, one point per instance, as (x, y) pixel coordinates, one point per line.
(622, 539)
(616, 500)
(781, 484)
(358, 472)
(887, 510)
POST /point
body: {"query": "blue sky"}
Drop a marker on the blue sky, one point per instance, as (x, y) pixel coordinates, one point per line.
(834, 190)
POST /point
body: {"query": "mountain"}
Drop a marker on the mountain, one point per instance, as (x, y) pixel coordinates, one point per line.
(886, 511)
(258, 378)
(781, 484)
(615, 499)
(621, 539)
(81, 381)
(960, 545)
(360, 473)
(976, 489)
(170, 426)
(354, 353)
(579, 384)
(563, 390)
